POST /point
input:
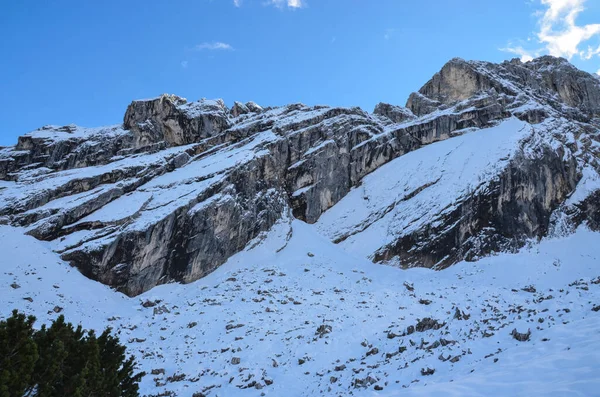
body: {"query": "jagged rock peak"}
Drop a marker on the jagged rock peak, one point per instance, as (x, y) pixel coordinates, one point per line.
(175, 121)
(254, 107)
(239, 108)
(550, 79)
(397, 114)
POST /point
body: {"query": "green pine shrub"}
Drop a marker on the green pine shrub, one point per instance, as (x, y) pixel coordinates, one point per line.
(62, 360)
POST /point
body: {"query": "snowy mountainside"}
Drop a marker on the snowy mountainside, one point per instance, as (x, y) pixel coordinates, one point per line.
(305, 317)
(182, 186)
(420, 187)
(242, 251)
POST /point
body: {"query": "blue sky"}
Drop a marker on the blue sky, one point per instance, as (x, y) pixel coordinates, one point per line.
(82, 62)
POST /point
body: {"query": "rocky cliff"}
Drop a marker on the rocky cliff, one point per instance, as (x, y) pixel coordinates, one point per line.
(181, 186)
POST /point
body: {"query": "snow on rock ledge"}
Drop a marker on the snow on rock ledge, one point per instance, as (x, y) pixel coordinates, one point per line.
(487, 190)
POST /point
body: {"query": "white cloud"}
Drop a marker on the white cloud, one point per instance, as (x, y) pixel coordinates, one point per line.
(288, 3)
(216, 45)
(184, 64)
(293, 4)
(559, 32)
(525, 55)
(598, 72)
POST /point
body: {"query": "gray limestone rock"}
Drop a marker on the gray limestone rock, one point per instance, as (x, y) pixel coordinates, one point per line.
(396, 114)
(173, 120)
(238, 109)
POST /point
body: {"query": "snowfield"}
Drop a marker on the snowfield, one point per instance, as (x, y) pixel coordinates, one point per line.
(296, 315)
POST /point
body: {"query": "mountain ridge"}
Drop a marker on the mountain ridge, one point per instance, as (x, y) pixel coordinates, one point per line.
(182, 186)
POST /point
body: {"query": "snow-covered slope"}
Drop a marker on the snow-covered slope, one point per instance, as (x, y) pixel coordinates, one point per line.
(421, 187)
(241, 251)
(305, 317)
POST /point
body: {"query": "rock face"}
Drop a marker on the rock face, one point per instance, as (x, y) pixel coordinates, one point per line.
(172, 120)
(551, 80)
(396, 114)
(181, 186)
(519, 202)
(61, 148)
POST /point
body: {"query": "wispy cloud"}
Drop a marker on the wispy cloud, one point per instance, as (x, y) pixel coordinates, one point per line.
(590, 53)
(524, 54)
(237, 3)
(558, 32)
(215, 45)
(286, 3)
(184, 64)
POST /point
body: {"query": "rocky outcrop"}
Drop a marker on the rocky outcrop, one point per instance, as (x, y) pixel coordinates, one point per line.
(396, 114)
(182, 186)
(546, 78)
(588, 211)
(239, 109)
(254, 107)
(457, 81)
(194, 239)
(61, 148)
(173, 120)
